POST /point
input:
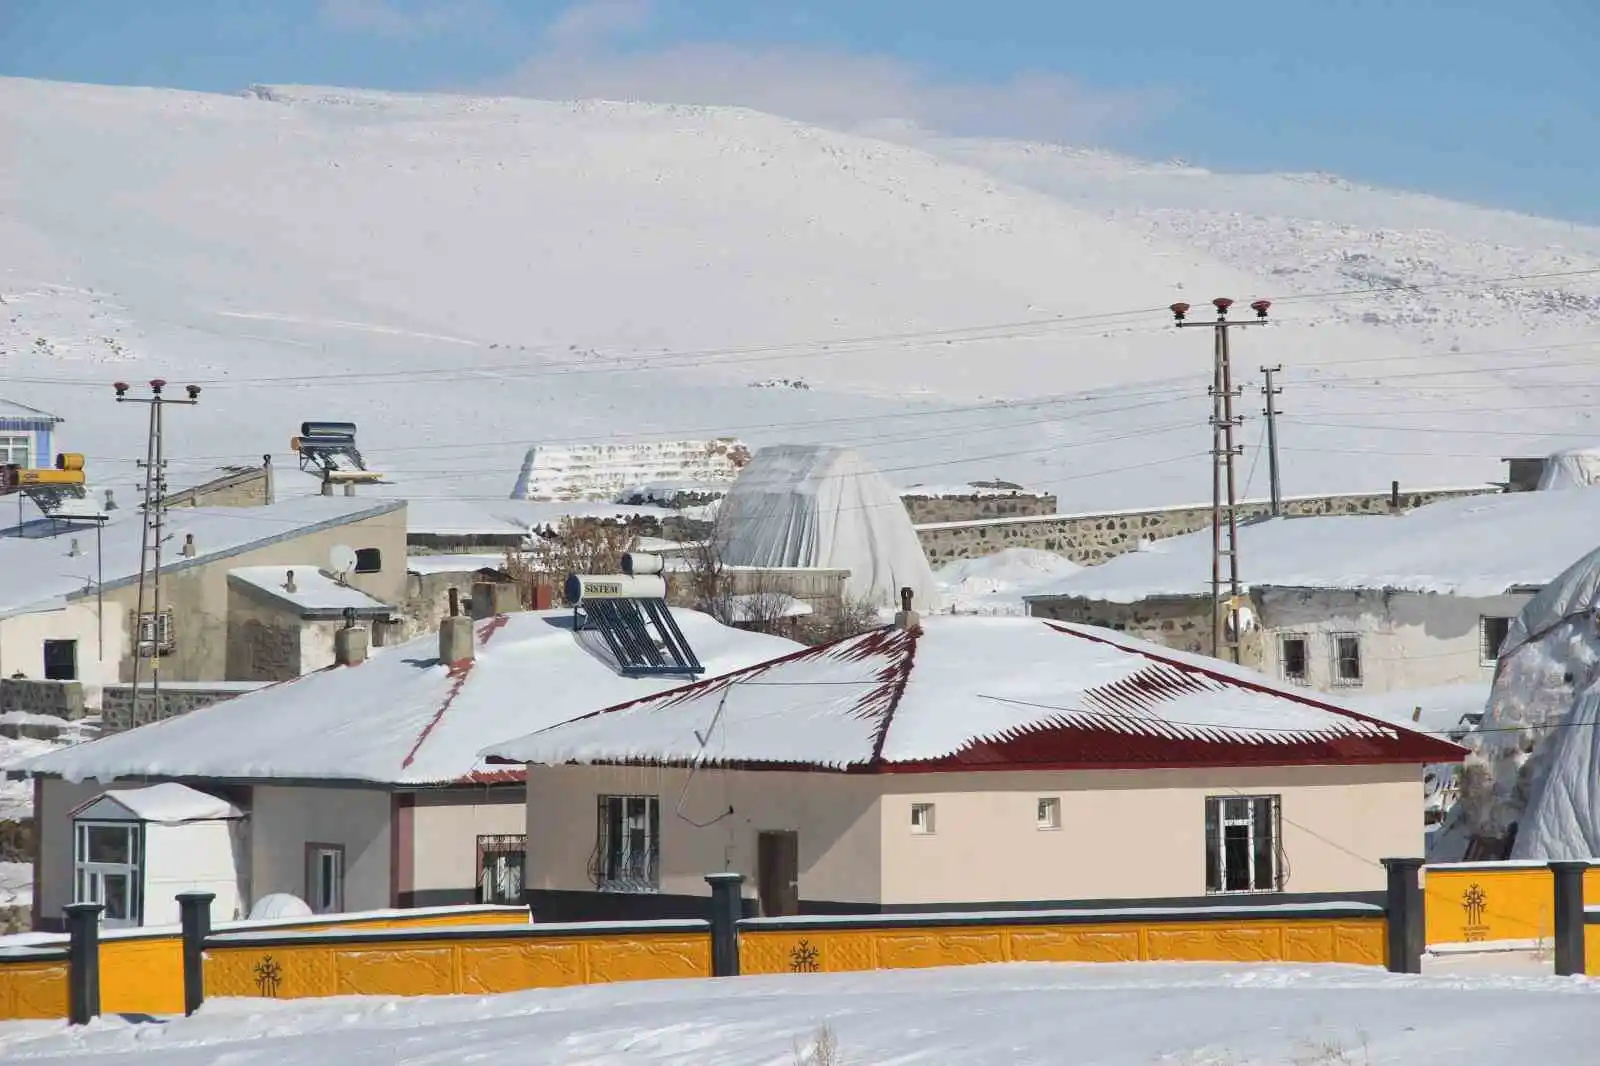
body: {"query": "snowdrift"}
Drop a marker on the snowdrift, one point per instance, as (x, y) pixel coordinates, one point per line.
(1574, 468)
(1530, 780)
(803, 505)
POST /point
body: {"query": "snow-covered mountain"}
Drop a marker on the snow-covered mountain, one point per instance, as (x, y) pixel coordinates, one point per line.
(468, 277)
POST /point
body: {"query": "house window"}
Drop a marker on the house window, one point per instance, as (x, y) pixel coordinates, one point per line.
(61, 660)
(1243, 844)
(325, 878)
(1049, 816)
(1292, 657)
(106, 860)
(368, 560)
(1346, 659)
(629, 850)
(1492, 633)
(500, 866)
(16, 449)
(922, 818)
(156, 634)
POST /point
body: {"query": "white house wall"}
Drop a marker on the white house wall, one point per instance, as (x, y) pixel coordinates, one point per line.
(284, 819)
(836, 817)
(22, 640)
(1409, 640)
(1133, 834)
(193, 857)
(445, 827)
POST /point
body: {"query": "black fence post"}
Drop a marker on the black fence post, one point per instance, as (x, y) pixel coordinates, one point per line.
(1403, 908)
(727, 907)
(83, 962)
(1568, 876)
(194, 912)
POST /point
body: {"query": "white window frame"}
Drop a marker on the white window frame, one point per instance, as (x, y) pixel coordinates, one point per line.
(321, 860)
(1338, 680)
(629, 860)
(1047, 813)
(1255, 808)
(89, 877)
(10, 444)
(1304, 677)
(1489, 653)
(923, 819)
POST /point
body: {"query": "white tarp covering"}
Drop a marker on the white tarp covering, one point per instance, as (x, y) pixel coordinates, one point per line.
(1574, 468)
(1536, 753)
(803, 505)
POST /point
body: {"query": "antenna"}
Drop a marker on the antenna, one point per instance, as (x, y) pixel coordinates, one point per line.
(341, 560)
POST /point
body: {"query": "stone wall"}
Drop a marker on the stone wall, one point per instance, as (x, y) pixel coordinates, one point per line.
(1094, 538)
(58, 699)
(237, 487)
(1180, 623)
(116, 702)
(976, 506)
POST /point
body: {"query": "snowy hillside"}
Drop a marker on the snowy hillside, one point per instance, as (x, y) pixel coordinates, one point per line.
(467, 278)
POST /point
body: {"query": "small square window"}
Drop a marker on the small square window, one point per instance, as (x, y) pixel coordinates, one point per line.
(368, 560)
(1292, 657)
(1346, 659)
(1492, 633)
(1049, 816)
(922, 818)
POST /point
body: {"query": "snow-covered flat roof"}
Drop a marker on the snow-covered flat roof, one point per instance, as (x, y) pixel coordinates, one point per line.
(315, 592)
(969, 694)
(1472, 546)
(402, 717)
(167, 803)
(39, 572)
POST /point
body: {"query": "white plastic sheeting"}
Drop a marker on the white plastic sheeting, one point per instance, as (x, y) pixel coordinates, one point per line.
(1574, 468)
(1535, 755)
(803, 505)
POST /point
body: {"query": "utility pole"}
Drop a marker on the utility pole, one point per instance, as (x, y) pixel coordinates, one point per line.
(1224, 482)
(1271, 391)
(147, 627)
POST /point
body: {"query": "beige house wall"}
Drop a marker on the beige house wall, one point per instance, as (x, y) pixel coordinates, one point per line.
(199, 595)
(22, 640)
(284, 819)
(835, 815)
(445, 828)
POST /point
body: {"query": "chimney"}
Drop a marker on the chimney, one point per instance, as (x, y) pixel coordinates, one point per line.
(288, 585)
(327, 487)
(1394, 497)
(74, 551)
(349, 488)
(544, 597)
(266, 467)
(188, 546)
(111, 503)
(491, 598)
(455, 633)
(906, 618)
(350, 642)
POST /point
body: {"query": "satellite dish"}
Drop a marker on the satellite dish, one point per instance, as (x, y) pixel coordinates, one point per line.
(341, 560)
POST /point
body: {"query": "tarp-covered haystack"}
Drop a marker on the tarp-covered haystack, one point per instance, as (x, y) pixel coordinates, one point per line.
(1574, 468)
(1529, 788)
(804, 505)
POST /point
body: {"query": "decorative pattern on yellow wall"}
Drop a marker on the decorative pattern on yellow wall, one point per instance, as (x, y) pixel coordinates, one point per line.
(1348, 940)
(33, 990)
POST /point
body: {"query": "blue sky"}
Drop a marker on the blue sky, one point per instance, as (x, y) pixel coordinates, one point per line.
(1483, 101)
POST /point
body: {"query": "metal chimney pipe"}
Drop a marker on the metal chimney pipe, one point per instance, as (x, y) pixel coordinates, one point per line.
(455, 603)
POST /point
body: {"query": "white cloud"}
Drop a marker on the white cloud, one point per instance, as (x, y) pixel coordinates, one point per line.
(389, 18)
(577, 59)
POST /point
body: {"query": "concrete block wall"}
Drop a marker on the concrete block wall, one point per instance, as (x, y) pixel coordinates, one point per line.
(977, 506)
(1093, 538)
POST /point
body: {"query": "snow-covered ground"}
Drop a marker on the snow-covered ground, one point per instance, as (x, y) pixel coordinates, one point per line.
(995, 584)
(1016, 1015)
(467, 277)
(16, 884)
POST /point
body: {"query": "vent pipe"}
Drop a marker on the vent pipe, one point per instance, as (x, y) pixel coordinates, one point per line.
(288, 584)
(350, 642)
(455, 634)
(188, 546)
(906, 618)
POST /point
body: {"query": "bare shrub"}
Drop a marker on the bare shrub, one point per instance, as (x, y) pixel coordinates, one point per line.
(824, 1049)
(572, 547)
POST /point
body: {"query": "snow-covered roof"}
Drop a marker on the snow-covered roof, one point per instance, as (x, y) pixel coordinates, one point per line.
(168, 803)
(1471, 546)
(803, 505)
(981, 489)
(21, 412)
(38, 571)
(315, 592)
(402, 717)
(455, 564)
(1572, 468)
(476, 518)
(967, 694)
(601, 471)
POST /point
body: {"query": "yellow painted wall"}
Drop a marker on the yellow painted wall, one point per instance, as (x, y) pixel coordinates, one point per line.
(33, 989)
(1591, 950)
(444, 967)
(1351, 940)
(1485, 903)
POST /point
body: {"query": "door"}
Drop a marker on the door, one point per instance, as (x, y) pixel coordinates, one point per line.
(61, 660)
(778, 872)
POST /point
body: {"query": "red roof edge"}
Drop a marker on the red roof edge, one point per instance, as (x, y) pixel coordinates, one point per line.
(1445, 751)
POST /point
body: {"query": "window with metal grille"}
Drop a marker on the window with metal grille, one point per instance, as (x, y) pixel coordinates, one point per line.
(501, 861)
(156, 634)
(1244, 849)
(1293, 659)
(628, 853)
(1492, 634)
(1346, 659)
